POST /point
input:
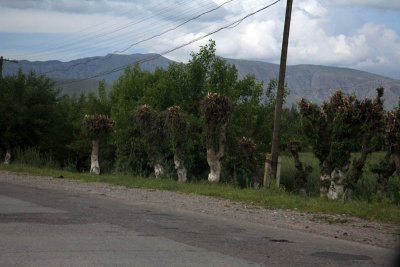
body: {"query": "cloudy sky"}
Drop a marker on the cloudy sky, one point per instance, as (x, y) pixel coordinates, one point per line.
(360, 34)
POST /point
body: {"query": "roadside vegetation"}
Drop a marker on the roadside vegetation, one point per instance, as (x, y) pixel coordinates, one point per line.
(381, 210)
(198, 128)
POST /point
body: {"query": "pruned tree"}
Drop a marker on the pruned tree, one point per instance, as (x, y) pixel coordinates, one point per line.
(391, 162)
(301, 172)
(369, 121)
(152, 124)
(96, 126)
(392, 136)
(217, 110)
(384, 169)
(247, 148)
(333, 130)
(178, 129)
(315, 128)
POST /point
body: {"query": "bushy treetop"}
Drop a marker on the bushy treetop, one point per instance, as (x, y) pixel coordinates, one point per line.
(217, 110)
(247, 147)
(176, 121)
(96, 126)
(334, 127)
(152, 123)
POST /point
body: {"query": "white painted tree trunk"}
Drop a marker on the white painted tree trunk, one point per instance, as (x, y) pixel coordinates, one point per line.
(7, 158)
(324, 178)
(323, 191)
(180, 168)
(158, 170)
(94, 165)
(215, 166)
(336, 188)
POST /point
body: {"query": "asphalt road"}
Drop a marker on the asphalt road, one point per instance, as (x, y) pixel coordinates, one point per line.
(42, 227)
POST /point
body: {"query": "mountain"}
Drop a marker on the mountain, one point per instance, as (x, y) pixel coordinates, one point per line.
(317, 83)
(313, 82)
(67, 74)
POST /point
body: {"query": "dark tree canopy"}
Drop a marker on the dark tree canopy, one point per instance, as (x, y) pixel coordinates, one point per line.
(217, 110)
(97, 126)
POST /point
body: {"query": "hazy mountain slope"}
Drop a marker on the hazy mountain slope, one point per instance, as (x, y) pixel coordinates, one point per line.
(317, 83)
(313, 82)
(92, 65)
(75, 87)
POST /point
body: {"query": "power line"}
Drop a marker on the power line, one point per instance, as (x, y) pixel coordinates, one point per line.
(67, 43)
(143, 40)
(174, 28)
(113, 38)
(175, 48)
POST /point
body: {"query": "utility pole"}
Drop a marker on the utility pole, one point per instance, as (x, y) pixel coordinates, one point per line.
(1, 64)
(281, 85)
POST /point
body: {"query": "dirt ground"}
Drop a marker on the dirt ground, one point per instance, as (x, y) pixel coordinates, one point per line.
(384, 235)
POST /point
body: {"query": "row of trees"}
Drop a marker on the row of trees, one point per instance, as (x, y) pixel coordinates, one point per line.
(190, 116)
(198, 118)
(335, 126)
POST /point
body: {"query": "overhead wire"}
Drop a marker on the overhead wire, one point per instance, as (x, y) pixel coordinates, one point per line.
(91, 34)
(236, 22)
(173, 28)
(111, 39)
(143, 40)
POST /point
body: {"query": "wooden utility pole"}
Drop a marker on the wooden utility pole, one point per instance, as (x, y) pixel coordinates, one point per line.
(281, 85)
(1, 64)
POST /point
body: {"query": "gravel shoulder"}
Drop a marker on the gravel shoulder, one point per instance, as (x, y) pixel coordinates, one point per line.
(383, 235)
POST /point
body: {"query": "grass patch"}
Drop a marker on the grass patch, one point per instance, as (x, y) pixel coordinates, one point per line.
(274, 198)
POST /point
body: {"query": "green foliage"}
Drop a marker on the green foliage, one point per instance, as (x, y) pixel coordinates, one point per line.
(392, 131)
(33, 157)
(301, 173)
(393, 188)
(152, 124)
(247, 148)
(178, 127)
(337, 125)
(40, 123)
(130, 144)
(29, 111)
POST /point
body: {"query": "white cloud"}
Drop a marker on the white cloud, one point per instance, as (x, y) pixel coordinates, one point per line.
(371, 46)
(379, 4)
(42, 21)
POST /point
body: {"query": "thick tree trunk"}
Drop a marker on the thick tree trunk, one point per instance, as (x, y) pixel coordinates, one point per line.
(385, 170)
(267, 171)
(7, 158)
(215, 166)
(325, 180)
(300, 174)
(180, 168)
(214, 159)
(94, 165)
(256, 176)
(336, 189)
(158, 170)
(358, 164)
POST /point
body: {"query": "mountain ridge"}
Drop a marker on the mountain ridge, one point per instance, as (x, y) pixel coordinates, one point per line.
(314, 82)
